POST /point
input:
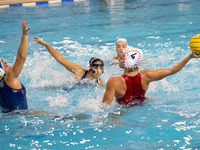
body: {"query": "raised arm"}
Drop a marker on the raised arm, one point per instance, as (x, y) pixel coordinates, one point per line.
(22, 52)
(158, 74)
(72, 67)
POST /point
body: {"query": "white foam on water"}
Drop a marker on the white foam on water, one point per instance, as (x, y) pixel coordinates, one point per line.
(58, 100)
(43, 70)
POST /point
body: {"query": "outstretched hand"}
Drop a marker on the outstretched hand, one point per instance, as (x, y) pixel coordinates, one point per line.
(194, 55)
(24, 28)
(39, 41)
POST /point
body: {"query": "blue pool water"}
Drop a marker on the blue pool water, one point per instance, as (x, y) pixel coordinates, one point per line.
(74, 119)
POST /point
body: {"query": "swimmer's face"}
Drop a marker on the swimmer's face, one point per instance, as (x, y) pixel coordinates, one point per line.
(97, 66)
(120, 46)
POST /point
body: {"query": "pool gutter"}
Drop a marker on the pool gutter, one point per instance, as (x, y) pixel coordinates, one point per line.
(29, 3)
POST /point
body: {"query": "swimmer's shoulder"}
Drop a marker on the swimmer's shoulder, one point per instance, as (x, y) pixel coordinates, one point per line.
(116, 80)
(79, 74)
(146, 75)
(146, 72)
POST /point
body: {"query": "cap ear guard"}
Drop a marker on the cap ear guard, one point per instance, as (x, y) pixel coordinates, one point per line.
(2, 71)
(88, 66)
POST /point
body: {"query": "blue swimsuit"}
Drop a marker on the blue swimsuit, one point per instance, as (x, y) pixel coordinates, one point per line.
(84, 76)
(80, 84)
(12, 99)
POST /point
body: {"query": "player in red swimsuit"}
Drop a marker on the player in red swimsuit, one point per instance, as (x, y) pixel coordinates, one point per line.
(130, 87)
(135, 93)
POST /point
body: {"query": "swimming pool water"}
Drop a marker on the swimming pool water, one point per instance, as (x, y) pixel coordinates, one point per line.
(63, 117)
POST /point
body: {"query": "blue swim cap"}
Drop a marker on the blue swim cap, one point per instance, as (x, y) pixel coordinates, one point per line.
(2, 71)
(92, 60)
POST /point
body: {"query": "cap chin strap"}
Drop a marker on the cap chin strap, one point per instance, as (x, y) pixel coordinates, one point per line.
(98, 80)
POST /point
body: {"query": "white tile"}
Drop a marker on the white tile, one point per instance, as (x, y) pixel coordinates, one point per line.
(29, 4)
(4, 6)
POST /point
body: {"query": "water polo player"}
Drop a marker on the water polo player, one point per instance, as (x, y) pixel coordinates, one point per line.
(12, 91)
(130, 87)
(95, 67)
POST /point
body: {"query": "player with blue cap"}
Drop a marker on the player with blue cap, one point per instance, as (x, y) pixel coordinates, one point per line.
(93, 72)
(12, 91)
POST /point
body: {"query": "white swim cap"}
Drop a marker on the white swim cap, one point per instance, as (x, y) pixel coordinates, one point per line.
(132, 56)
(122, 39)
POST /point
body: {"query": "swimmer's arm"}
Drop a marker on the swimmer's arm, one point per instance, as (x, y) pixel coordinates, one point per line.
(72, 67)
(158, 74)
(109, 93)
(22, 52)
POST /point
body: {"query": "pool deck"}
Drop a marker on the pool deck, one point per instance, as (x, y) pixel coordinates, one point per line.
(9, 2)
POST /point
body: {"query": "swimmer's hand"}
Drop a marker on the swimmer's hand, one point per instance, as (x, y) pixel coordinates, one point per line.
(115, 57)
(40, 41)
(194, 55)
(102, 82)
(24, 28)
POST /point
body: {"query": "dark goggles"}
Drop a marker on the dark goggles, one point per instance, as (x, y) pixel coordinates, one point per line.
(97, 65)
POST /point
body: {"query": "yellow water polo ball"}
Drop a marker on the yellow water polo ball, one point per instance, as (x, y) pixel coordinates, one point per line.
(195, 43)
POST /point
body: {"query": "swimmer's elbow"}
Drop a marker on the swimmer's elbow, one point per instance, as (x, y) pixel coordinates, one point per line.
(172, 70)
